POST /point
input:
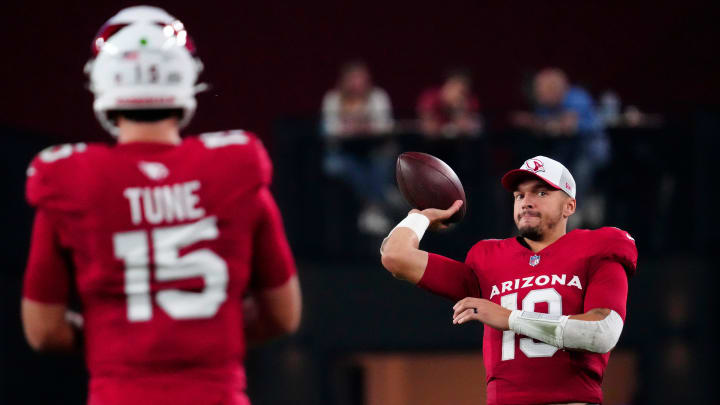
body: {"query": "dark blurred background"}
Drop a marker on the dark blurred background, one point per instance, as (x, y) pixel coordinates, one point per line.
(269, 66)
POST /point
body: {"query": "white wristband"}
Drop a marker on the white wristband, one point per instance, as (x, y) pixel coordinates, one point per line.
(418, 223)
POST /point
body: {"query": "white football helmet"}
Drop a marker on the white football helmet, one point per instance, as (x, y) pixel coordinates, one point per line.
(143, 59)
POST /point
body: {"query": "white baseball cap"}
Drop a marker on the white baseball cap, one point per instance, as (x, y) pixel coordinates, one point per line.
(548, 170)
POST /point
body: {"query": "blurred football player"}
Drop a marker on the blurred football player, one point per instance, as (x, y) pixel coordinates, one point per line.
(552, 301)
(174, 246)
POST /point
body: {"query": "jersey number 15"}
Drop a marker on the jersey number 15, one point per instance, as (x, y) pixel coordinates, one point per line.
(133, 248)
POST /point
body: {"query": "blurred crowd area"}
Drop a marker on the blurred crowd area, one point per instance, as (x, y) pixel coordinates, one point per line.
(363, 135)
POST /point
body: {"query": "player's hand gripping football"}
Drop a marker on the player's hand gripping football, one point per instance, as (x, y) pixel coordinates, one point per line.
(438, 217)
(478, 309)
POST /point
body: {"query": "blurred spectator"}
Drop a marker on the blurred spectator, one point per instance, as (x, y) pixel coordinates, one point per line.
(450, 110)
(566, 115)
(355, 107)
(611, 116)
(560, 109)
(357, 122)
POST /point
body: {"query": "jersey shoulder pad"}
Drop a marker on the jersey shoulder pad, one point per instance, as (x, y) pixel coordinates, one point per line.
(617, 245)
(55, 176)
(243, 150)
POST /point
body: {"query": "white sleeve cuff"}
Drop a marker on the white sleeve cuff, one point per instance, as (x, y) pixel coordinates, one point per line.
(595, 336)
(563, 332)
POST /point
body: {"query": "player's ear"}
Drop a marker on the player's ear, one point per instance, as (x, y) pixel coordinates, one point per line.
(569, 206)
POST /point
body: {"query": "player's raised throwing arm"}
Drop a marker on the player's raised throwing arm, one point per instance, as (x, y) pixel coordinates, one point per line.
(400, 251)
(438, 274)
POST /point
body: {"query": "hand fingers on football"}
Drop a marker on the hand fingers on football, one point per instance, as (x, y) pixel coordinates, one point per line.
(445, 214)
(454, 208)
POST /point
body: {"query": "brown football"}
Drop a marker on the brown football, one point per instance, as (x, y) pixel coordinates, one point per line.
(427, 182)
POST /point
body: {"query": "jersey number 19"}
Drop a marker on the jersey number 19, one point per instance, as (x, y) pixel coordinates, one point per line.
(530, 348)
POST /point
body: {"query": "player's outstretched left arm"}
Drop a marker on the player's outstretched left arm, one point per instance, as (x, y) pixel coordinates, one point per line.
(596, 330)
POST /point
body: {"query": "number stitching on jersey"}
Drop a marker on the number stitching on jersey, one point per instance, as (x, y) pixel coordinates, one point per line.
(133, 248)
(54, 153)
(527, 346)
(214, 140)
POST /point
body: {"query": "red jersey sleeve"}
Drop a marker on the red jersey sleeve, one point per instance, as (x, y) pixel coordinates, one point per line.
(47, 277)
(254, 159)
(449, 278)
(607, 288)
(612, 263)
(273, 262)
(263, 161)
(51, 178)
(243, 155)
(616, 245)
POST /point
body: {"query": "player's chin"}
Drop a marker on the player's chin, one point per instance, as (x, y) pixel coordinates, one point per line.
(530, 232)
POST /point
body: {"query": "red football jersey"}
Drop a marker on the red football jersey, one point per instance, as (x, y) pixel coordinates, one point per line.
(580, 271)
(161, 242)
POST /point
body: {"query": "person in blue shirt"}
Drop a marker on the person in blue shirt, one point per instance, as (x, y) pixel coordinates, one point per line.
(566, 115)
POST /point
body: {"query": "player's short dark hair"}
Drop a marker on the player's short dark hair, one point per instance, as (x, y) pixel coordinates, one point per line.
(150, 115)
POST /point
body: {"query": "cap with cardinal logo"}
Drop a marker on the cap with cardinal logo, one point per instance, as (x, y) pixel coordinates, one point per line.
(548, 170)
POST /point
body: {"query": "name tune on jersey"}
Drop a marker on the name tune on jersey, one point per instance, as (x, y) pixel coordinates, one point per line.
(168, 203)
(535, 281)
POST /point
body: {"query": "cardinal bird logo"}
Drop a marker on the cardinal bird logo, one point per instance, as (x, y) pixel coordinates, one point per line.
(154, 170)
(535, 165)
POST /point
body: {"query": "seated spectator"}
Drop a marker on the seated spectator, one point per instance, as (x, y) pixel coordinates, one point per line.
(352, 111)
(450, 110)
(566, 116)
(560, 109)
(355, 107)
